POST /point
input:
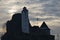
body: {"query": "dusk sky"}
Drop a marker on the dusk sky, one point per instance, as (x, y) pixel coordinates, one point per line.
(44, 10)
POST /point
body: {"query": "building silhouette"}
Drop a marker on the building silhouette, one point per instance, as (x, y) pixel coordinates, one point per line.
(19, 28)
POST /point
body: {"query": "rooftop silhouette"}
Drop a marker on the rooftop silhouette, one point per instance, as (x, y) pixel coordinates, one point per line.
(44, 26)
(19, 28)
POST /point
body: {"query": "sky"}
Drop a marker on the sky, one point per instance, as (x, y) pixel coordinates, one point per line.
(44, 10)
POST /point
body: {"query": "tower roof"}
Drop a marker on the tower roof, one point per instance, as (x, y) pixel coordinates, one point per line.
(25, 9)
(44, 26)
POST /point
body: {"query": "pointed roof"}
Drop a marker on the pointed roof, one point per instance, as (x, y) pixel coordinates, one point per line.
(44, 26)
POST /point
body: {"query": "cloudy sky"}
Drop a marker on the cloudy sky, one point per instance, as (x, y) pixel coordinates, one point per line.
(44, 10)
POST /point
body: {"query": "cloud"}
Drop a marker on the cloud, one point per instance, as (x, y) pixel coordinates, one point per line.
(45, 10)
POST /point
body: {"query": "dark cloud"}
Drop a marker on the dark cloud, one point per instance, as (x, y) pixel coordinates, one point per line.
(52, 8)
(43, 19)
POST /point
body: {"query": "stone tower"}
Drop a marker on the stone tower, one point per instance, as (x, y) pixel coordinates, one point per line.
(25, 20)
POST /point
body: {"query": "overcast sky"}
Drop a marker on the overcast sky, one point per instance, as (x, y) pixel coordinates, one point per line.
(44, 10)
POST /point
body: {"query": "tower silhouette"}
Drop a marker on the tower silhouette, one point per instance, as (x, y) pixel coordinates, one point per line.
(25, 20)
(45, 32)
